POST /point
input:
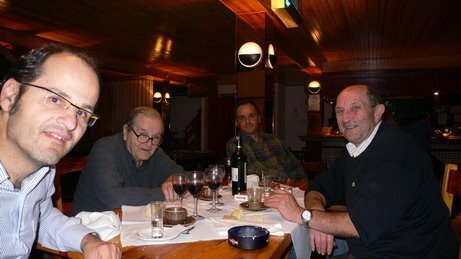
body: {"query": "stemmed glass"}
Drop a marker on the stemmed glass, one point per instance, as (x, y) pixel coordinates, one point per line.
(180, 185)
(195, 183)
(214, 175)
(221, 167)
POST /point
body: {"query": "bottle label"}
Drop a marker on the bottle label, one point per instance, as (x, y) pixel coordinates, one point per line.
(235, 174)
(245, 172)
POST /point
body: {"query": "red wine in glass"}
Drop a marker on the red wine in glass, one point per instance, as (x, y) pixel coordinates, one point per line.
(214, 185)
(195, 188)
(195, 183)
(180, 189)
(180, 185)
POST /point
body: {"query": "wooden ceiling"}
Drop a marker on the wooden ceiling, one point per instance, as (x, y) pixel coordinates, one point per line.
(191, 41)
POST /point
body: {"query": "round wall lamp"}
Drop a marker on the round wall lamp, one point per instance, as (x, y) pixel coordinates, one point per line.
(167, 98)
(162, 92)
(313, 87)
(250, 54)
(157, 97)
(271, 58)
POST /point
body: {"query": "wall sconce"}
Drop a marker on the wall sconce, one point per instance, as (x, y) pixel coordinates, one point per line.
(313, 87)
(271, 58)
(250, 54)
(158, 97)
(164, 95)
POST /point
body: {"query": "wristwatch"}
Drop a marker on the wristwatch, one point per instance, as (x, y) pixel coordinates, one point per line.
(306, 217)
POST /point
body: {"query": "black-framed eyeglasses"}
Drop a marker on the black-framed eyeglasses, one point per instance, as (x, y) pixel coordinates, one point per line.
(156, 140)
(57, 101)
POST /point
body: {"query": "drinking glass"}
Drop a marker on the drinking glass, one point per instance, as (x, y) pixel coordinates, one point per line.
(195, 183)
(157, 208)
(214, 176)
(255, 195)
(227, 174)
(180, 185)
(228, 187)
(267, 183)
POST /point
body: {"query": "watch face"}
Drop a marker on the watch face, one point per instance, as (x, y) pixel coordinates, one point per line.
(306, 215)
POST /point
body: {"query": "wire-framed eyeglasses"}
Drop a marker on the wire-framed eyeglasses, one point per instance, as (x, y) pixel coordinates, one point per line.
(156, 140)
(56, 101)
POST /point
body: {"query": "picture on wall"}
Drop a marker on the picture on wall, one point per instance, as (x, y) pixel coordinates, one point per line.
(313, 102)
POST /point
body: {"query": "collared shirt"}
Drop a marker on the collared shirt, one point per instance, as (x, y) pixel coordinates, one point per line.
(355, 151)
(270, 155)
(28, 212)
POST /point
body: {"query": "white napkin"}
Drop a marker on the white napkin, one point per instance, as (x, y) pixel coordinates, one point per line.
(106, 224)
(223, 225)
(252, 181)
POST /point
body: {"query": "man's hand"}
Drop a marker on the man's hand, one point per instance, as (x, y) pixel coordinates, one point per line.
(168, 191)
(286, 204)
(321, 242)
(94, 248)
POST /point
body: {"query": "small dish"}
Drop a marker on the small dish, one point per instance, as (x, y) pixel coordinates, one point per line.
(208, 198)
(246, 206)
(168, 234)
(187, 222)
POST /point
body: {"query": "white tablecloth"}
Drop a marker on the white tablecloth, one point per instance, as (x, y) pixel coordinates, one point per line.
(214, 227)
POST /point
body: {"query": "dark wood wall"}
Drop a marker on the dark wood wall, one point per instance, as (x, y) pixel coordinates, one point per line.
(410, 83)
(221, 124)
(407, 92)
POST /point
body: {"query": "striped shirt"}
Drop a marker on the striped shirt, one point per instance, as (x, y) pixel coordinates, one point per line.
(356, 151)
(28, 212)
(270, 155)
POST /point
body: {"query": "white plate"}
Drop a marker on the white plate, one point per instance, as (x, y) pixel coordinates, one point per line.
(168, 234)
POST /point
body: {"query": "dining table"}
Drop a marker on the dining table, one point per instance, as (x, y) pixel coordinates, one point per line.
(208, 238)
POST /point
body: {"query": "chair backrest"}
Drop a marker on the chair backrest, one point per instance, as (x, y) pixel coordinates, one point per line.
(451, 184)
(66, 165)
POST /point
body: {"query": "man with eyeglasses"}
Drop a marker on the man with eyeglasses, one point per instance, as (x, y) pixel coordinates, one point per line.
(128, 168)
(47, 102)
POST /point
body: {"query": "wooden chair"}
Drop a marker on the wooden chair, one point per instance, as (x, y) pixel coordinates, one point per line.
(451, 184)
(66, 165)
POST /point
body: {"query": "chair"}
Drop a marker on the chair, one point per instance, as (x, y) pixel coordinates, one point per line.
(66, 165)
(451, 185)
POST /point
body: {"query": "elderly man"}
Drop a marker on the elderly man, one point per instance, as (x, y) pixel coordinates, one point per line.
(264, 151)
(47, 102)
(128, 168)
(395, 209)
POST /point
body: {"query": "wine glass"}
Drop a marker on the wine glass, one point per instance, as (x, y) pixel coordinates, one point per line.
(195, 183)
(227, 170)
(180, 185)
(221, 167)
(214, 175)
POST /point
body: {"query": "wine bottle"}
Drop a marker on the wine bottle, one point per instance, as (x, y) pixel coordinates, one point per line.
(239, 168)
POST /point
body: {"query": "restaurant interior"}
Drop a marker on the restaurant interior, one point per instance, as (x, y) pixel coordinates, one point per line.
(183, 58)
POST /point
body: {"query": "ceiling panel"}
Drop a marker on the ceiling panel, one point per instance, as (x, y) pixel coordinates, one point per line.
(195, 39)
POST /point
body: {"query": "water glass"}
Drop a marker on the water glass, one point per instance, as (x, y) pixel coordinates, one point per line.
(157, 209)
(255, 195)
(267, 184)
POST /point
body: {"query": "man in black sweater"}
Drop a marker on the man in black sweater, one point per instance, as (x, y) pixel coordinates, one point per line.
(395, 209)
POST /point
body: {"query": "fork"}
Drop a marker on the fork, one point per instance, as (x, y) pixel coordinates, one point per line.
(187, 230)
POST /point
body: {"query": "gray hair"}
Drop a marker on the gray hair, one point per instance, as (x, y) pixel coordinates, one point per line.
(145, 110)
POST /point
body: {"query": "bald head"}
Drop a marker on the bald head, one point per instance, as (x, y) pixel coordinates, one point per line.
(358, 110)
